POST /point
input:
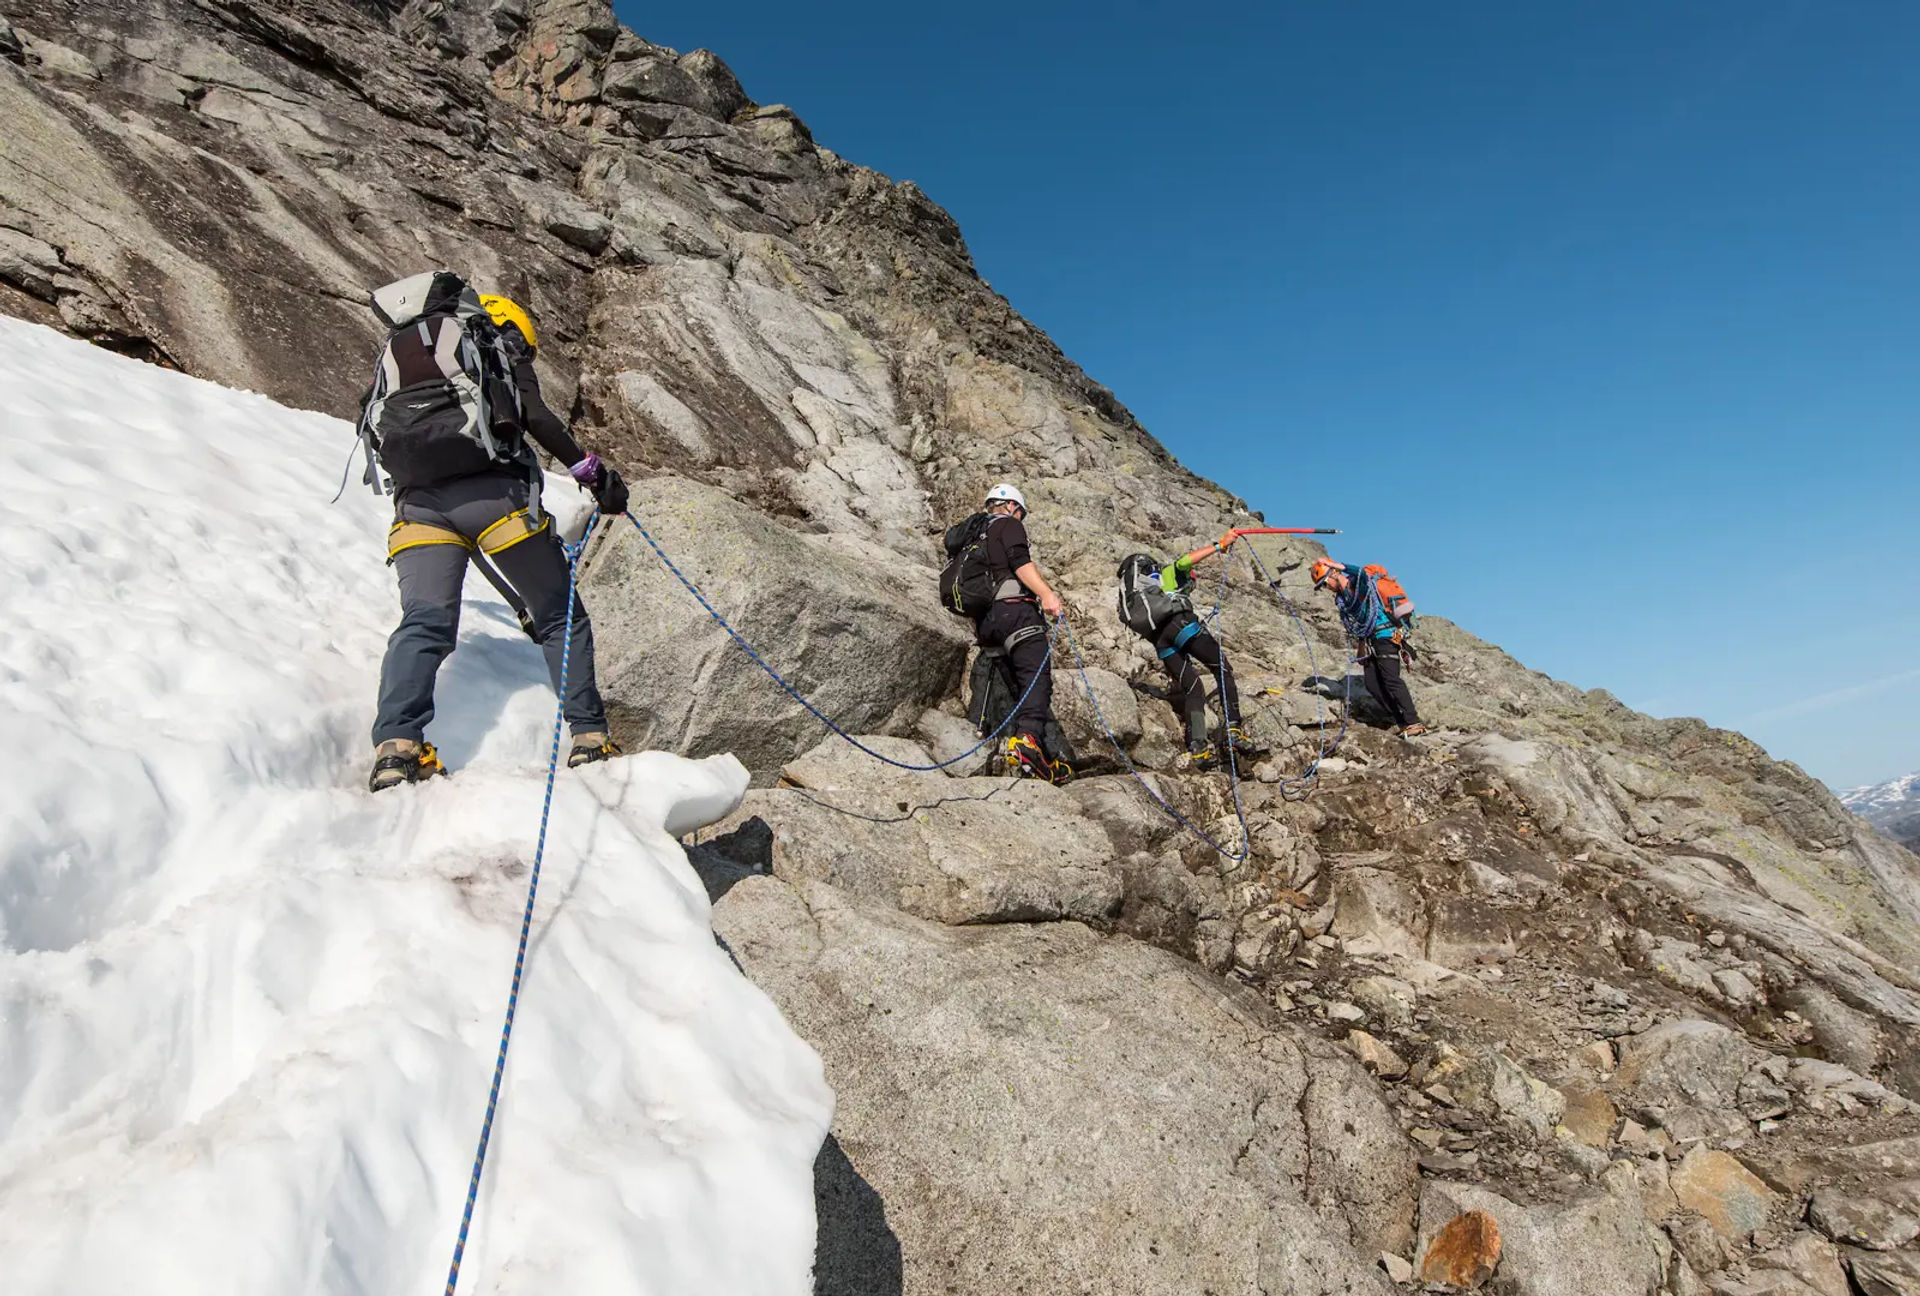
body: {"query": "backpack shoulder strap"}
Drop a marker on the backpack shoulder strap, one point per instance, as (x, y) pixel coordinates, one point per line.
(385, 374)
(447, 342)
(498, 359)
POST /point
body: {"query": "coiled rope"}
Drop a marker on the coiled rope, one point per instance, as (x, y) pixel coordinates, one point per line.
(526, 923)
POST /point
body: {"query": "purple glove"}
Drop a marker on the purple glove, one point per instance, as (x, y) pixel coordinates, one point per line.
(587, 472)
(609, 492)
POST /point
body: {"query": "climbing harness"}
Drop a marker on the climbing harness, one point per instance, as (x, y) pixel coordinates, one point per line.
(816, 712)
(1233, 764)
(526, 922)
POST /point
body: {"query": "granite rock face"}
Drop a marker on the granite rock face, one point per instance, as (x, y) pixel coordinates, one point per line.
(1035, 1101)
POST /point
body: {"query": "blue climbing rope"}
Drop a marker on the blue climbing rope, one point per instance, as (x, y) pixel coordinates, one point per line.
(1362, 615)
(817, 713)
(1300, 785)
(526, 922)
(1292, 788)
(1233, 766)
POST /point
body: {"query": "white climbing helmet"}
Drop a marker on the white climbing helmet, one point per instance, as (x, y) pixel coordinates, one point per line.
(1008, 492)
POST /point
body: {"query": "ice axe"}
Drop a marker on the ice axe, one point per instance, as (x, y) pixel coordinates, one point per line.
(1225, 542)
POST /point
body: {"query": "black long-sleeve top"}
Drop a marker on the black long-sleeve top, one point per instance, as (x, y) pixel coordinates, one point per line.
(541, 423)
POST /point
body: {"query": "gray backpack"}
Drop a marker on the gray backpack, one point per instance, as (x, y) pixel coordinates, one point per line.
(443, 402)
(1144, 605)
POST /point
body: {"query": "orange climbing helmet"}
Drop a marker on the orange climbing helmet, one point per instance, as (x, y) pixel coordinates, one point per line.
(1322, 569)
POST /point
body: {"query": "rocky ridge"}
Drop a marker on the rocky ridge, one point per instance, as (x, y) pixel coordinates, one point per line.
(1638, 995)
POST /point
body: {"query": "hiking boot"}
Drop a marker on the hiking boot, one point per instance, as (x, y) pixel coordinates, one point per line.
(1201, 756)
(1414, 730)
(1243, 745)
(402, 760)
(590, 747)
(1027, 759)
(1062, 773)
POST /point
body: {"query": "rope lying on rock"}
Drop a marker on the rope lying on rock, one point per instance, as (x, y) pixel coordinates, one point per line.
(817, 713)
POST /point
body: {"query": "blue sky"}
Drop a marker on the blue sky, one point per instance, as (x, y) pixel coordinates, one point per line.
(1598, 323)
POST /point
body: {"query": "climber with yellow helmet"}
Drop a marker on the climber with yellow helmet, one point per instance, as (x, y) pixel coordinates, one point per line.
(453, 402)
(504, 311)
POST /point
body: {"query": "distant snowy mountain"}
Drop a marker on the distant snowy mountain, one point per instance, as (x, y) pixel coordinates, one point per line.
(248, 1012)
(1893, 807)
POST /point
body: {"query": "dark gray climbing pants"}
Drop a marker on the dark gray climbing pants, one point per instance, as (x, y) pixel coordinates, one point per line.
(432, 570)
(1195, 661)
(1380, 666)
(1016, 626)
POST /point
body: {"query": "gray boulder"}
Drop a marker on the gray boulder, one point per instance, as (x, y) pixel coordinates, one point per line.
(955, 851)
(1811, 1262)
(1088, 725)
(1861, 1219)
(816, 608)
(1599, 1245)
(1034, 1102)
(1492, 1082)
(951, 738)
(653, 74)
(1681, 1066)
(1885, 1273)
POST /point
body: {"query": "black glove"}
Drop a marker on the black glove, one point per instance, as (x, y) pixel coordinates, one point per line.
(610, 493)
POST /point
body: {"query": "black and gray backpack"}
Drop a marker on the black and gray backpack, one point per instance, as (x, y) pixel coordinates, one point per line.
(1145, 606)
(967, 585)
(443, 402)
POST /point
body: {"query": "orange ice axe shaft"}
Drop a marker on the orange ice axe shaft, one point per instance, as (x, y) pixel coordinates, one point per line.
(1225, 542)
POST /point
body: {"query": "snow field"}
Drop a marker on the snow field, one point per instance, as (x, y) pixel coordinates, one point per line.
(248, 1013)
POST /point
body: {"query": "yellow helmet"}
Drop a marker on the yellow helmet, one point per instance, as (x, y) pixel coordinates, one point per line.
(505, 312)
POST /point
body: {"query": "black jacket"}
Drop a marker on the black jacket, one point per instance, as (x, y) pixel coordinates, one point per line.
(540, 423)
(1007, 548)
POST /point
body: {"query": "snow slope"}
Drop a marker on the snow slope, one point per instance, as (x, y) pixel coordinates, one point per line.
(248, 1012)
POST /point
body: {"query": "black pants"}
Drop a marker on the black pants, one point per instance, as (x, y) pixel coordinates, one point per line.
(1017, 629)
(431, 576)
(1190, 666)
(1381, 666)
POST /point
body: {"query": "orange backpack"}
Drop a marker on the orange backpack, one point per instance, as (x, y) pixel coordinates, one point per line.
(1392, 593)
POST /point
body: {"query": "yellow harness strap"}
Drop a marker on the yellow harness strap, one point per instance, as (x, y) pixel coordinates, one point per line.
(510, 531)
(411, 535)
